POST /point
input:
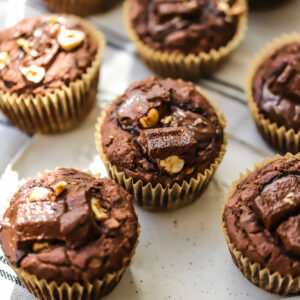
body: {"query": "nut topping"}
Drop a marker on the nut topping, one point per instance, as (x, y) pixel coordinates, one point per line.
(70, 39)
(289, 198)
(172, 164)
(24, 44)
(98, 211)
(39, 246)
(151, 119)
(189, 171)
(4, 60)
(59, 188)
(94, 263)
(167, 120)
(39, 194)
(34, 74)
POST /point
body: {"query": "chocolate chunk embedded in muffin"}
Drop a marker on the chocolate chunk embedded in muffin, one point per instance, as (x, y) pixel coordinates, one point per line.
(69, 227)
(191, 26)
(261, 219)
(161, 131)
(42, 54)
(276, 86)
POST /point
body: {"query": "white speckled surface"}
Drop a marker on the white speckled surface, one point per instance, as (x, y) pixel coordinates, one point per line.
(182, 254)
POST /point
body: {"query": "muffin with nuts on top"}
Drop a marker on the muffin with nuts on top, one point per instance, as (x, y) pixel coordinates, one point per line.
(162, 140)
(185, 38)
(49, 70)
(69, 233)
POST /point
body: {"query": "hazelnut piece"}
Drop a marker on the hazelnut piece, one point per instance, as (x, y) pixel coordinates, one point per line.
(4, 60)
(69, 39)
(167, 120)
(59, 187)
(39, 246)
(98, 211)
(172, 164)
(33, 73)
(151, 119)
(289, 198)
(39, 194)
(189, 170)
(24, 44)
(94, 263)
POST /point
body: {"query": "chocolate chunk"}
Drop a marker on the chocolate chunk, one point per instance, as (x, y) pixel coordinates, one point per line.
(278, 200)
(201, 127)
(163, 142)
(38, 221)
(139, 101)
(289, 235)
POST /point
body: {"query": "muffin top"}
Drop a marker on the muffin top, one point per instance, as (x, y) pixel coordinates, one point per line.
(39, 55)
(185, 26)
(276, 86)
(69, 226)
(161, 131)
(262, 217)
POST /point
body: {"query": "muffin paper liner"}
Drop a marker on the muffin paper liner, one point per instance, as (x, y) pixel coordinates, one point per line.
(278, 137)
(158, 197)
(261, 276)
(179, 65)
(80, 7)
(66, 106)
(42, 289)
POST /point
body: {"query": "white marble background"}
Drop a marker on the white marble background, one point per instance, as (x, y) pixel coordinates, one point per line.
(182, 254)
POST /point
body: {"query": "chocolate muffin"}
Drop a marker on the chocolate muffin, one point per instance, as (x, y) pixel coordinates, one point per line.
(261, 221)
(162, 133)
(273, 93)
(67, 232)
(49, 69)
(81, 7)
(188, 30)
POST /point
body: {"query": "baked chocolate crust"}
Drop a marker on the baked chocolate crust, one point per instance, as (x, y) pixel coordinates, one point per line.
(185, 26)
(262, 218)
(35, 42)
(161, 131)
(276, 86)
(52, 230)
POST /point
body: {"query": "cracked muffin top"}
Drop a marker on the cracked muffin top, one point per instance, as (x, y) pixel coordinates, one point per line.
(276, 86)
(262, 218)
(39, 55)
(185, 26)
(69, 226)
(161, 131)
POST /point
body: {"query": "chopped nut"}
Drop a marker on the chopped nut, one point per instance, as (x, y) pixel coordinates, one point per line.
(33, 73)
(38, 194)
(190, 4)
(189, 171)
(172, 164)
(60, 187)
(25, 44)
(111, 137)
(70, 39)
(289, 198)
(39, 246)
(223, 6)
(4, 60)
(151, 119)
(94, 263)
(167, 120)
(100, 215)
(52, 19)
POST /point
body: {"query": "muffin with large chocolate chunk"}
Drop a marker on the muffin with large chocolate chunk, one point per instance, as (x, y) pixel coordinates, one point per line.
(261, 222)
(67, 232)
(162, 140)
(273, 92)
(49, 70)
(185, 38)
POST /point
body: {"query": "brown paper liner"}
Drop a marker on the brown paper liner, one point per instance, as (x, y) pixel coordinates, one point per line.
(42, 289)
(66, 106)
(285, 140)
(261, 276)
(191, 66)
(158, 197)
(81, 7)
